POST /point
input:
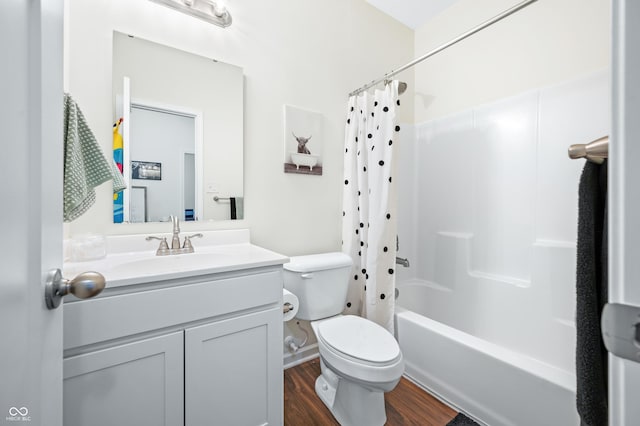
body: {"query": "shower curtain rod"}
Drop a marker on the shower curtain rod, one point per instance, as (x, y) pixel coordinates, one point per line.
(461, 37)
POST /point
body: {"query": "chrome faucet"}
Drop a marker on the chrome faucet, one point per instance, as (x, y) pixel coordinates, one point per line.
(175, 240)
(164, 250)
(400, 260)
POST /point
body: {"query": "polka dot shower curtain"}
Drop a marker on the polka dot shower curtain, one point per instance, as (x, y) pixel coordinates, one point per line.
(369, 224)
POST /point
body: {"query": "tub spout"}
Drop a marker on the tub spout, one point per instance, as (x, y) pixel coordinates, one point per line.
(402, 261)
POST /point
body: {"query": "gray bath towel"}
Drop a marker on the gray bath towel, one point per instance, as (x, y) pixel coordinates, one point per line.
(85, 166)
(591, 292)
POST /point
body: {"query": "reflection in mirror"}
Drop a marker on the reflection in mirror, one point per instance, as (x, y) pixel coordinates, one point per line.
(183, 132)
(168, 139)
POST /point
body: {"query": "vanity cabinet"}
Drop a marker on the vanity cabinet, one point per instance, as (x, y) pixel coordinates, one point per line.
(194, 351)
(139, 383)
(229, 365)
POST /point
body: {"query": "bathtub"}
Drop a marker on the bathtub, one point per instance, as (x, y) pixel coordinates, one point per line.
(304, 160)
(491, 383)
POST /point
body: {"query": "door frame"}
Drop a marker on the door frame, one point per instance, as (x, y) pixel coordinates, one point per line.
(624, 198)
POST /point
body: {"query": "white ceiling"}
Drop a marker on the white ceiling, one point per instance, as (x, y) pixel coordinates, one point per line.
(412, 13)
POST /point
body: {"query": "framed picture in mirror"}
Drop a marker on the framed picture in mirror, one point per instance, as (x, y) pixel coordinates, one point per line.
(146, 170)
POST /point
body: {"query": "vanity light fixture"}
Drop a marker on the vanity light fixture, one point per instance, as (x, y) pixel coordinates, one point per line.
(214, 12)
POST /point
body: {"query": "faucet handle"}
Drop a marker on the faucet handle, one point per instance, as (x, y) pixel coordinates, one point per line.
(164, 246)
(187, 242)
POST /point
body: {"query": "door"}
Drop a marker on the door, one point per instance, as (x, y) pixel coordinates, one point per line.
(233, 371)
(31, 213)
(624, 202)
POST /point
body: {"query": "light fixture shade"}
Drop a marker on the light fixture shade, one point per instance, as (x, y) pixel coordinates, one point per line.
(206, 10)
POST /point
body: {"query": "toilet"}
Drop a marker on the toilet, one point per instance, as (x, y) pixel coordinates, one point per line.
(359, 359)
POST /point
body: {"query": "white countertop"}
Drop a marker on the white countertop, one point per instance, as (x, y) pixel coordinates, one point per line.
(131, 259)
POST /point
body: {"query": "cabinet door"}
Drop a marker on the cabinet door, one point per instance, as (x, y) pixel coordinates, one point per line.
(139, 383)
(233, 371)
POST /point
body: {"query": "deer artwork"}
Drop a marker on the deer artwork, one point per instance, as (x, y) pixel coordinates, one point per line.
(302, 144)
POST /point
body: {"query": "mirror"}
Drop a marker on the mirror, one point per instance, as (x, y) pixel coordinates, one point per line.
(182, 131)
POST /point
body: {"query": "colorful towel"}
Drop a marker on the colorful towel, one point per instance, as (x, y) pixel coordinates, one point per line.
(85, 166)
(118, 158)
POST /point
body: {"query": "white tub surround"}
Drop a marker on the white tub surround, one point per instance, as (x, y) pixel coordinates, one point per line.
(489, 219)
(177, 339)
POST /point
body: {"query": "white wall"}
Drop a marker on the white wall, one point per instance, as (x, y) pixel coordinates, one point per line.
(308, 54)
(546, 43)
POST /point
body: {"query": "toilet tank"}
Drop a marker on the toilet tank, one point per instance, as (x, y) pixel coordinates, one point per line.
(320, 282)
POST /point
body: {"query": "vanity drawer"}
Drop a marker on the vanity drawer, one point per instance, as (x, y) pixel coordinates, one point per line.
(92, 321)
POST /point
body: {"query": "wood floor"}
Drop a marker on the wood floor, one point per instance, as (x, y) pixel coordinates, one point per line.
(407, 404)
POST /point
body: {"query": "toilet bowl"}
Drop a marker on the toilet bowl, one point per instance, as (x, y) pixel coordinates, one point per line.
(359, 359)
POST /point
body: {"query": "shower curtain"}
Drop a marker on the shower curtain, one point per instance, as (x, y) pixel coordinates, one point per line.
(369, 223)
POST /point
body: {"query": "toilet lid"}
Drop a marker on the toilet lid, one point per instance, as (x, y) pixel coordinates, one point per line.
(359, 338)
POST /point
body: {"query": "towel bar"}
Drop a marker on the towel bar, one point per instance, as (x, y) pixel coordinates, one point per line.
(595, 151)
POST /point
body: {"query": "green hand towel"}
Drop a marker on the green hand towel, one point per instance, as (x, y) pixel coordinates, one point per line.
(85, 166)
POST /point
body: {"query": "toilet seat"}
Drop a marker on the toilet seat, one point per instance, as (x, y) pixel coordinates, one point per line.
(359, 338)
(359, 348)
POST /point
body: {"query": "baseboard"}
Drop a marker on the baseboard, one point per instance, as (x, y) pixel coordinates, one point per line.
(303, 355)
